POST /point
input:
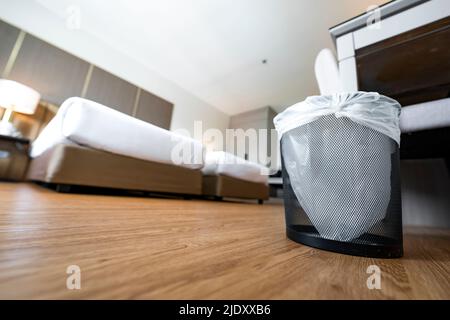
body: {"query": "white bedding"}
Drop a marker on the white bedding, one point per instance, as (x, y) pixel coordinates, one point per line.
(224, 163)
(84, 122)
(425, 116)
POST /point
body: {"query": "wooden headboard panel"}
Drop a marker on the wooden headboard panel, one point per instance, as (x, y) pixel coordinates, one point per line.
(58, 75)
(31, 125)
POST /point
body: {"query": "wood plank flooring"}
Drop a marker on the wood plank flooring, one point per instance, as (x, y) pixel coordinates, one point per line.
(147, 248)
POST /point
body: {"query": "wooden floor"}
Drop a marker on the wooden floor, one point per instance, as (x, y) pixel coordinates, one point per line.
(138, 248)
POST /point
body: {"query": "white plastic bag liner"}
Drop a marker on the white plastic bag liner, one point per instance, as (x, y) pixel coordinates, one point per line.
(369, 109)
(337, 152)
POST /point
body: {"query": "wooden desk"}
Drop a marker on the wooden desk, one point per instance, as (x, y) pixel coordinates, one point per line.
(406, 56)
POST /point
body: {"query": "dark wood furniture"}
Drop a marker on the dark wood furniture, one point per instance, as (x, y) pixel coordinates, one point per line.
(13, 158)
(426, 144)
(412, 67)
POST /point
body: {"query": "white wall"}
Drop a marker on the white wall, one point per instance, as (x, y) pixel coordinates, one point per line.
(38, 21)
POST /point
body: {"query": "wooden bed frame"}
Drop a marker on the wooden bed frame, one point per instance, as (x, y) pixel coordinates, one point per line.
(221, 186)
(74, 168)
(65, 165)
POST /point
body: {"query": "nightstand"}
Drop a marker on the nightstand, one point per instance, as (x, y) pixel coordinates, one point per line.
(13, 158)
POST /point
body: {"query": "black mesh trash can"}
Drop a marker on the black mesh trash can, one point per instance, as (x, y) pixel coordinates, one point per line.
(341, 179)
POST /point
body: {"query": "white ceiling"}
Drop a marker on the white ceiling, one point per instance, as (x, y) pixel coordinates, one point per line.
(214, 48)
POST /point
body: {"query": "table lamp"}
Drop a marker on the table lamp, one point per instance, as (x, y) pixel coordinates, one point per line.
(15, 97)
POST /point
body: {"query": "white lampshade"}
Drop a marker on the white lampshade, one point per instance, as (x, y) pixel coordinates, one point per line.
(18, 97)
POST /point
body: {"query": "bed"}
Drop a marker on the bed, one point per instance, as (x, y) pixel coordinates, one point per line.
(225, 175)
(426, 130)
(425, 116)
(88, 144)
